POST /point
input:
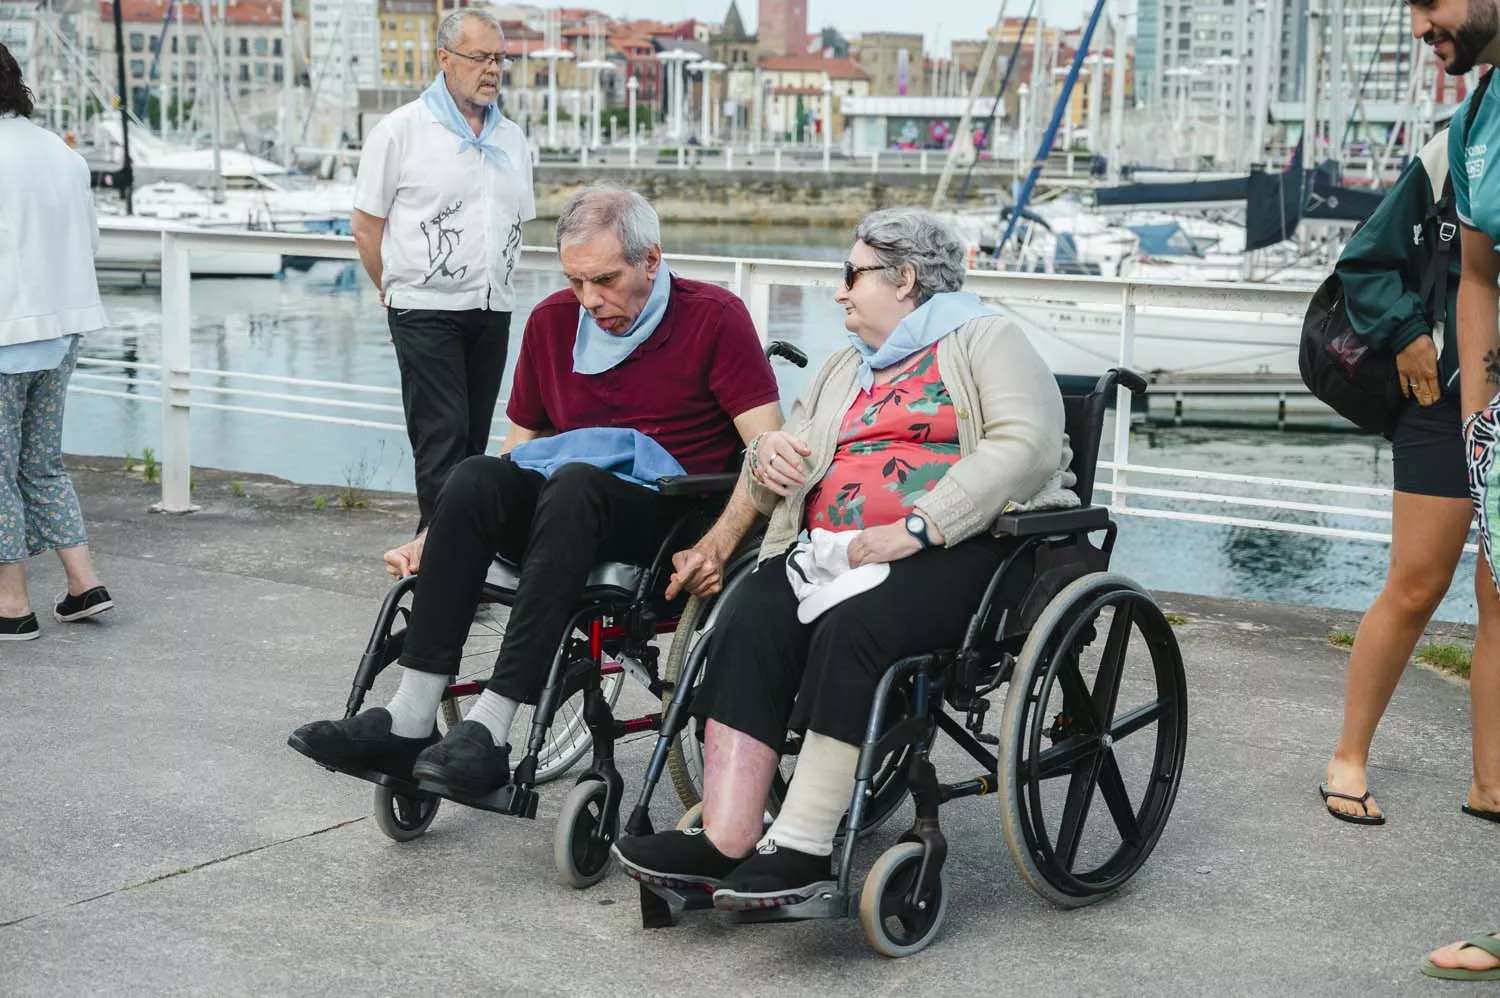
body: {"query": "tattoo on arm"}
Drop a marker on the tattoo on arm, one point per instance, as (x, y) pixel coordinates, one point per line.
(1492, 367)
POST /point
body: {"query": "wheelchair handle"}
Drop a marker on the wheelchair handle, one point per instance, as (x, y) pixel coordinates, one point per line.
(783, 349)
(1125, 378)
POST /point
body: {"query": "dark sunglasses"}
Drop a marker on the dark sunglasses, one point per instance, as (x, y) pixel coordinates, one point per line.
(851, 273)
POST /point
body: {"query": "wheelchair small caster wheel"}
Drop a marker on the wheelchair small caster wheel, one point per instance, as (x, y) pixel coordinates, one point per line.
(691, 818)
(579, 852)
(403, 817)
(895, 924)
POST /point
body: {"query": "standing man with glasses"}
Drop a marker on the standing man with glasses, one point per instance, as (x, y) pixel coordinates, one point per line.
(444, 186)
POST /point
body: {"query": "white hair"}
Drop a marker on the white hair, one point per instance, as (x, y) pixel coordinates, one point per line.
(620, 210)
(451, 29)
(910, 237)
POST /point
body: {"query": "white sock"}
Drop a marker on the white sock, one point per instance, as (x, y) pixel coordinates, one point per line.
(414, 707)
(494, 712)
(818, 797)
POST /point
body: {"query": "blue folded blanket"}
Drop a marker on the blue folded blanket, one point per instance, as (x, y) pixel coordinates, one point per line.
(629, 454)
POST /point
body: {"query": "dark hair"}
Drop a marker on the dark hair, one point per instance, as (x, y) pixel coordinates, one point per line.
(15, 98)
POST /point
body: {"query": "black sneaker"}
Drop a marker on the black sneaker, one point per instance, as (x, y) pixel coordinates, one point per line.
(19, 628)
(773, 876)
(466, 762)
(674, 859)
(361, 743)
(70, 608)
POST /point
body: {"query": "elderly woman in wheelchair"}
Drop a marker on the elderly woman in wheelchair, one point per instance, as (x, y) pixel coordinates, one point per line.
(894, 466)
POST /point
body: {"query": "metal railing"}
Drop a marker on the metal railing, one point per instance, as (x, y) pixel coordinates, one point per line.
(752, 280)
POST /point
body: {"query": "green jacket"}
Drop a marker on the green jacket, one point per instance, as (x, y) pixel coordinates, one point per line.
(1381, 273)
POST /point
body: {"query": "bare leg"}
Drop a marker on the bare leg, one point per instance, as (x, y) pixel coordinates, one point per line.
(1427, 539)
(737, 773)
(13, 599)
(79, 568)
(1484, 694)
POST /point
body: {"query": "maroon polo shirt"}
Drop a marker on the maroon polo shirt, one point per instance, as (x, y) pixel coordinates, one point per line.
(682, 387)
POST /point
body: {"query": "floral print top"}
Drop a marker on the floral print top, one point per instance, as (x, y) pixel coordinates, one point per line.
(894, 445)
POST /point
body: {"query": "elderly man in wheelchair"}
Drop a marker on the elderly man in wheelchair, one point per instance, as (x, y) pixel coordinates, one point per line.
(633, 375)
(919, 498)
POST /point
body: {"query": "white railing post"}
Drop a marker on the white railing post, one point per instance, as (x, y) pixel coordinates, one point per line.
(776, 160)
(748, 278)
(176, 358)
(875, 161)
(922, 162)
(1121, 455)
(681, 156)
(728, 158)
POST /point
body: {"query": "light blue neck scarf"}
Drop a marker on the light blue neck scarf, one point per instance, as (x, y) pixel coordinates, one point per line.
(596, 350)
(929, 322)
(440, 102)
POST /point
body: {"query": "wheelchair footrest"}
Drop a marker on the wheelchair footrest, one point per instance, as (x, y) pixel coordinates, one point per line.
(511, 799)
(826, 903)
(677, 901)
(401, 786)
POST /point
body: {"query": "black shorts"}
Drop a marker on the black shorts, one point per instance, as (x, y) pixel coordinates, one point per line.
(1427, 451)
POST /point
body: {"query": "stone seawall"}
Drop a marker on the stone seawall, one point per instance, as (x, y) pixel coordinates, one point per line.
(746, 196)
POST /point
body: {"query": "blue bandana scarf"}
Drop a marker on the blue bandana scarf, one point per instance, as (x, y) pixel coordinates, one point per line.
(440, 102)
(596, 350)
(929, 322)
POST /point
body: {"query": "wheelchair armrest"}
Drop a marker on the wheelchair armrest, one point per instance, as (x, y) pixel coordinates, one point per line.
(1052, 521)
(718, 483)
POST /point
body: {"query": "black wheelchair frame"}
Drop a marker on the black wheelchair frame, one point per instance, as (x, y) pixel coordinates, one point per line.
(1032, 645)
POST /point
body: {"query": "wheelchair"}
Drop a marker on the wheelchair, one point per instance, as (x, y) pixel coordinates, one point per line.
(611, 635)
(1081, 718)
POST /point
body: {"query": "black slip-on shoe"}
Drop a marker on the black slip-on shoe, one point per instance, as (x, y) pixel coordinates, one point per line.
(773, 876)
(466, 762)
(20, 628)
(361, 742)
(86, 604)
(675, 859)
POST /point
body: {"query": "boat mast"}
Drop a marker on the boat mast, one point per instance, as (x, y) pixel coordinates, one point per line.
(1059, 108)
(1336, 72)
(1117, 96)
(976, 90)
(288, 95)
(1265, 40)
(125, 178)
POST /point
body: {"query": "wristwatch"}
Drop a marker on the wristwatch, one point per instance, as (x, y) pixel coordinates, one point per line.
(916, 525)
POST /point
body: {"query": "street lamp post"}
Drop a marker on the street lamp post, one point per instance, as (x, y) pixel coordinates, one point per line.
(596, 67)
(673, 61)
(703, 69)
(827, 125)
(553, 56)
(631, 86)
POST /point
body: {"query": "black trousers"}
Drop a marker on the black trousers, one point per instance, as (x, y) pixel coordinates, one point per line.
(770, 674)
(451, 364)
(556, 529)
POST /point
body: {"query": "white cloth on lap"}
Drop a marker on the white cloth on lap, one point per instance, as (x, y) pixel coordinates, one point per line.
(819, 571)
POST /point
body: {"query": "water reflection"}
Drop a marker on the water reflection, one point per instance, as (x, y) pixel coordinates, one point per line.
(325, 323)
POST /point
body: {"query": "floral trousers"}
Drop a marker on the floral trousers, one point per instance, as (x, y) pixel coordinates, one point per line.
(38, 507)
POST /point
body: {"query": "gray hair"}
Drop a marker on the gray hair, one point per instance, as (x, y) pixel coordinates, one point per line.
(452, 27)
(910, 237)
(618, 209)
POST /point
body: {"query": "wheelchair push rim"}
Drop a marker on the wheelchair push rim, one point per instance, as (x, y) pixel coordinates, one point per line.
(1077, 827)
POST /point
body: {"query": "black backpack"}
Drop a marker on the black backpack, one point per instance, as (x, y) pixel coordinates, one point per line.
(1356, 380)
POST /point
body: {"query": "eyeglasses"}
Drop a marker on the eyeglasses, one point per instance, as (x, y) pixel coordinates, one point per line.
(851, 273)
(483, 58)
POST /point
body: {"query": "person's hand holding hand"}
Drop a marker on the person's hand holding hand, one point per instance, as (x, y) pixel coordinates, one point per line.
(699, 570)
(406, 559)
(780, 462)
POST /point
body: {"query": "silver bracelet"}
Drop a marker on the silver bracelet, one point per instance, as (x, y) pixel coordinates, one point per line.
(752, 455)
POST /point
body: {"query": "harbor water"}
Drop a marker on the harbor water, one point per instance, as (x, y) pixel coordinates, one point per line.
(326, 324)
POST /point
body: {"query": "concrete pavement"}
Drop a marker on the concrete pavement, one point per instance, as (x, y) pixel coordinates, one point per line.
(160, 839)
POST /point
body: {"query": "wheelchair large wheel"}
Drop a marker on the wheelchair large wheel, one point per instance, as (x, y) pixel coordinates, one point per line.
(581, 859)
(895, 923)
(1097, 707)
(403, 818)
(567, 741)
(685, 758)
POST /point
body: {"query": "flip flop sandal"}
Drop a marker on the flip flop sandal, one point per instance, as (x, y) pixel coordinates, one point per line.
(1489, 944)
(1354, 819)
(1479, 813)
